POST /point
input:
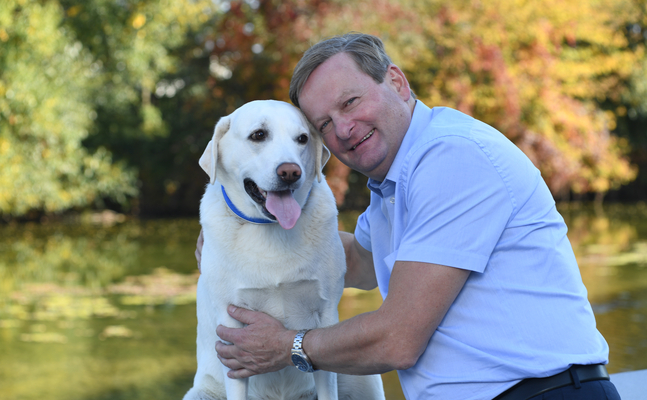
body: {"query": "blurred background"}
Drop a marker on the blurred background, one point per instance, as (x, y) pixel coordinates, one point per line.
(106, 106)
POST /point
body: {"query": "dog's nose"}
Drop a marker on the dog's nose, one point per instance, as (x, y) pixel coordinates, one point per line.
(289, 172)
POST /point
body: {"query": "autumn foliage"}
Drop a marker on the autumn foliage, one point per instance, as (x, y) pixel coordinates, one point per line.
(537, 71)
(135, 87)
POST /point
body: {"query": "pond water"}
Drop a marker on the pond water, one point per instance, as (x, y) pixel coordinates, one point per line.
(98, 308)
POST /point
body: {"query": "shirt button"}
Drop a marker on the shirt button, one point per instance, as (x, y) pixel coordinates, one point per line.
(392, 200)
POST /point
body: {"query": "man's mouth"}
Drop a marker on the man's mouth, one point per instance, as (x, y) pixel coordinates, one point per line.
(363, 139)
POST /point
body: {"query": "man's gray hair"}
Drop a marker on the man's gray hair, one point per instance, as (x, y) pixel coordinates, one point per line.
(367, 51)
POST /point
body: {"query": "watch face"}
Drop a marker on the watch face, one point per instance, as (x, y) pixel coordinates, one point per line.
(299, 363)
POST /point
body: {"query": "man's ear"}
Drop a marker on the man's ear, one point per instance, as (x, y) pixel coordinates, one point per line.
(399, 81)
(209, 158)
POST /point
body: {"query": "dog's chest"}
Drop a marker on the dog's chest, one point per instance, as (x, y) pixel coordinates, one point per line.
(296, 304)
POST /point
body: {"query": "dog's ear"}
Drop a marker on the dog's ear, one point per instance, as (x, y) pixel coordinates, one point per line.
(209, 158)
(322, 153)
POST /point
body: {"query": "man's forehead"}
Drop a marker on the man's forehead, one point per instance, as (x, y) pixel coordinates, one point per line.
(334, 83)
(340, 63)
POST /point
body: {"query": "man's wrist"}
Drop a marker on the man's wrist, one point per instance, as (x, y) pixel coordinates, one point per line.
(298, 355)
(287, 342)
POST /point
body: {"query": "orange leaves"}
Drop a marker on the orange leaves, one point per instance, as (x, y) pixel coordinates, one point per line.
(536, 71)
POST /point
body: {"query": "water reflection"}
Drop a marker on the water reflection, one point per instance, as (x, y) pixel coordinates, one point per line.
(96, 312)
(107, 311)
(611, 248)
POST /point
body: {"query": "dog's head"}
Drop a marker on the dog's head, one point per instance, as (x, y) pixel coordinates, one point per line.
(267, 156)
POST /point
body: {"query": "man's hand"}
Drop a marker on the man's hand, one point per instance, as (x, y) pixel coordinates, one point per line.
(260, 347)
(198, 249)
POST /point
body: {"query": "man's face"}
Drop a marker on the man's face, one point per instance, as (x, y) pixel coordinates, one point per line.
(362, 122)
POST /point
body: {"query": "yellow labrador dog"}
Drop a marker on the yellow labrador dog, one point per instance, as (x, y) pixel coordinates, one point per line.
(270, 244)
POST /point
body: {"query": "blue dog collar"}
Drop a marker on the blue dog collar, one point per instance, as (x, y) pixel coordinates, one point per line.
(236, 211)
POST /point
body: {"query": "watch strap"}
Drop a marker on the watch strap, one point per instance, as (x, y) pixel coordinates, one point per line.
(298, 339)
(299, 357)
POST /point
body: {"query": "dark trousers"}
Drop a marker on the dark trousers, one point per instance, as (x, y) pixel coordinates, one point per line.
(579, 382)
(592, 390)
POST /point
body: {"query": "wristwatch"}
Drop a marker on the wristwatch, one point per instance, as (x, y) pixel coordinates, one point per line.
(299, 357)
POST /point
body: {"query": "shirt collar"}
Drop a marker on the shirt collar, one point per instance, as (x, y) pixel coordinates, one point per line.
(419, 120)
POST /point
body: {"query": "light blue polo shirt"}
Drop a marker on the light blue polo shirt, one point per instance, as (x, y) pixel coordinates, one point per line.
(460, 194)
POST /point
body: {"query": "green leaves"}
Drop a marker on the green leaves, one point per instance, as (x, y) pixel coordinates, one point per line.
(45, 84)
(115, 100)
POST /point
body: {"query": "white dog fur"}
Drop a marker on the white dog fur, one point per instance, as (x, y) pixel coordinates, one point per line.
(294, 273)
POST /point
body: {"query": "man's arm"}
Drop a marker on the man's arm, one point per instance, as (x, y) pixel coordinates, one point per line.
(393, 337)
(360, 272)
(396, 335)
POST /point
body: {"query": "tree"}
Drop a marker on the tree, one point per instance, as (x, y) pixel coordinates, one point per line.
(534, 70)
(115, 101)
(148, 77)
(45, 82)
(631, 108)
(246, 53)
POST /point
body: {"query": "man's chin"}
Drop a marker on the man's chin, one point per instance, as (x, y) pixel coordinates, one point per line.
(376, 171)
(367, 163)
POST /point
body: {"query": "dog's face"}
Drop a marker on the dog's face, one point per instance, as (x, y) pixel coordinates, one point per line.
(266, 155)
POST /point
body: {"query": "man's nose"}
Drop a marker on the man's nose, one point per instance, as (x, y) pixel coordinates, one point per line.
(344, 127)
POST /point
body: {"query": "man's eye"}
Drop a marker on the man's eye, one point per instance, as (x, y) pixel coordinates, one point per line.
(349, 102)
(258, 135)
(325, 124)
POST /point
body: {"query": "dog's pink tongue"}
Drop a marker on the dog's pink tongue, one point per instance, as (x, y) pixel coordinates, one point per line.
(284, 207)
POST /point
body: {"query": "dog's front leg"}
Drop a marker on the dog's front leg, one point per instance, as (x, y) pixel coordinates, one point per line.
(326, 385)
(236, 388)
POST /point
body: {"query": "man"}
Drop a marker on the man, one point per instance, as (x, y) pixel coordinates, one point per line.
(481, 288)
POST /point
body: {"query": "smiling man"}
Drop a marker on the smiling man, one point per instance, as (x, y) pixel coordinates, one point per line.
(363, 123)
(482, 293)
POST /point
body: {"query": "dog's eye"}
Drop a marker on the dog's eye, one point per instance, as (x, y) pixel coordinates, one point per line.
(303, 139)
(258, 135)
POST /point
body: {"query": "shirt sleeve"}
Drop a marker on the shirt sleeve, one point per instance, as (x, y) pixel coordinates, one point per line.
(457, 205)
